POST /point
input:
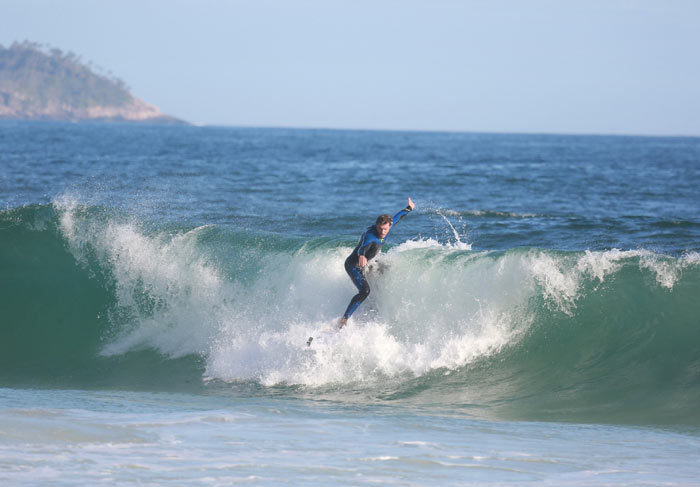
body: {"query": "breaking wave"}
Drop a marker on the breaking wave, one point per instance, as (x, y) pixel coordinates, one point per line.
(91, 296)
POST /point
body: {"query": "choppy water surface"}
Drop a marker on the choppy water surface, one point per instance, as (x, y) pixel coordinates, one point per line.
(534, 320)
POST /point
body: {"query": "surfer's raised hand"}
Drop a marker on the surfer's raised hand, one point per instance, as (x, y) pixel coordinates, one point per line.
(411, 205)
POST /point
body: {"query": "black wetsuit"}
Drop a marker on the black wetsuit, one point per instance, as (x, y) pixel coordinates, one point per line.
(369, 245)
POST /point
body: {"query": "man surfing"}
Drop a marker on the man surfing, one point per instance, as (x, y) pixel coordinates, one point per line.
(369, 246)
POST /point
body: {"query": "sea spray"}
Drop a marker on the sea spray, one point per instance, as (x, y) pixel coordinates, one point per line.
(162, 286)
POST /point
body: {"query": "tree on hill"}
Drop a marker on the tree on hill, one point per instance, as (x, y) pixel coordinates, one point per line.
(46, 83)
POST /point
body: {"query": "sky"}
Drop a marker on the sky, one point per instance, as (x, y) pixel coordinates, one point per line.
(530, 66)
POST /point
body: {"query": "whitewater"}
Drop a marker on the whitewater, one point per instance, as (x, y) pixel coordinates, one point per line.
(159, 285)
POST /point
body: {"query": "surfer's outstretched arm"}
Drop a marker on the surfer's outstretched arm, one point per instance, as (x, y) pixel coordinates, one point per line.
(403, 212)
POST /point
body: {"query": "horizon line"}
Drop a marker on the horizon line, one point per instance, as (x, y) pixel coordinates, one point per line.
(355, 129)
(443, 131)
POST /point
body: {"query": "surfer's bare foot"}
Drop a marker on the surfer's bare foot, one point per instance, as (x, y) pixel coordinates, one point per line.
(342, 322)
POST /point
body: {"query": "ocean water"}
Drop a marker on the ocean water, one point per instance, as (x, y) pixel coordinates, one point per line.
(534, 321)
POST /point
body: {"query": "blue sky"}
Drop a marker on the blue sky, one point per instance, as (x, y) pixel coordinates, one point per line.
(596, 66)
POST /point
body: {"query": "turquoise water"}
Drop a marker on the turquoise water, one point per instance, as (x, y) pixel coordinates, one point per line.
(533, 321)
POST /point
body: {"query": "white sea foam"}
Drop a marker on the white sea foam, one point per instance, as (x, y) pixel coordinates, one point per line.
(168, 298)
(431, 315)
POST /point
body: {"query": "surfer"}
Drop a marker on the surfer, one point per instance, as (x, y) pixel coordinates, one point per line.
(369, 246)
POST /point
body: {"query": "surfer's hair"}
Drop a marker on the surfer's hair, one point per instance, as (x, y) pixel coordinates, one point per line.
(383, 219)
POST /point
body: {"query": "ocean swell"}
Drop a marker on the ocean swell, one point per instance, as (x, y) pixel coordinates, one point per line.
(527, 332)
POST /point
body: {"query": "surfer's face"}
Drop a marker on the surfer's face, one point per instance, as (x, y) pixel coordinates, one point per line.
(382, 230)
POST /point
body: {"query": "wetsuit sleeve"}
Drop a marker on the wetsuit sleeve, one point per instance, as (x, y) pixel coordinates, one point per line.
(366, 242)
(401, 214)
(369, 250)
(361, 245)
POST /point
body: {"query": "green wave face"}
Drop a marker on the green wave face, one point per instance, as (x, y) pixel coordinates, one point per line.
(94, 298)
